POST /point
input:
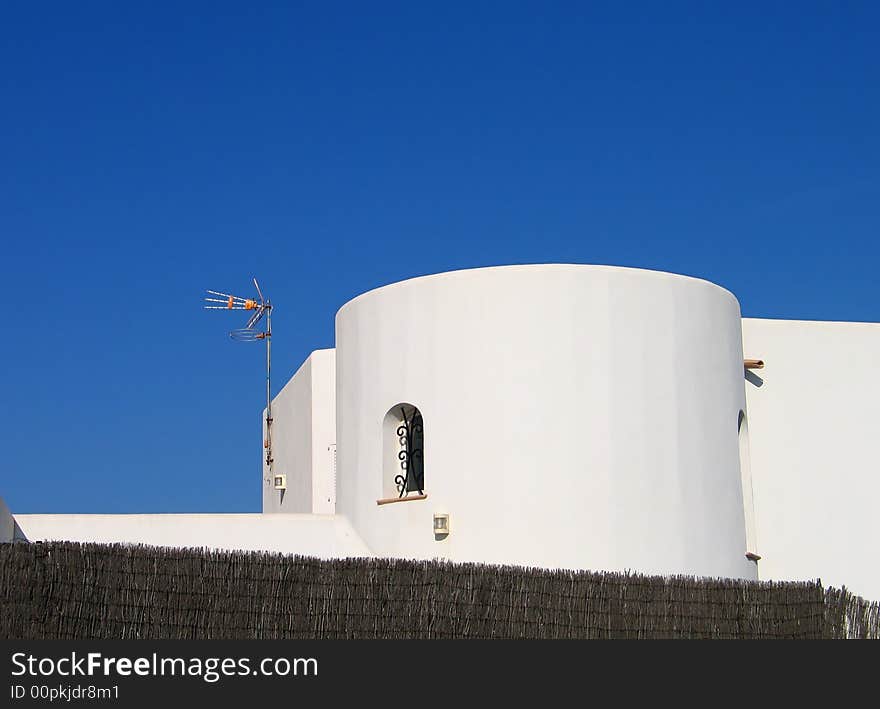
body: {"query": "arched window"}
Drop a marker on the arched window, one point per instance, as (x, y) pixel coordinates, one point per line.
(403, 469)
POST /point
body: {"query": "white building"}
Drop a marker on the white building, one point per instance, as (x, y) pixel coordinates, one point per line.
(586, 417)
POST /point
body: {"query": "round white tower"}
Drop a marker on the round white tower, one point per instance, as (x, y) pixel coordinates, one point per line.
(571, 416)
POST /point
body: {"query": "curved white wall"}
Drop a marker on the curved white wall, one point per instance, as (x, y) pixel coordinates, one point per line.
(574, 416)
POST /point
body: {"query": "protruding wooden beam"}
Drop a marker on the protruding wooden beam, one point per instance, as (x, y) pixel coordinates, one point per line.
(753, 363)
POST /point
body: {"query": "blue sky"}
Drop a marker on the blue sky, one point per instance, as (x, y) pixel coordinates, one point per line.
(149, 151)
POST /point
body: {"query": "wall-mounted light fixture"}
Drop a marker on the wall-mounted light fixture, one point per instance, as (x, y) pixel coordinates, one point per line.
(441, 525)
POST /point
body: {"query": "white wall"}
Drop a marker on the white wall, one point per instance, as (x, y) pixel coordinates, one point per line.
(815, 442)
(323, 536)
(323, 431)
(575, 416)
(303, 430)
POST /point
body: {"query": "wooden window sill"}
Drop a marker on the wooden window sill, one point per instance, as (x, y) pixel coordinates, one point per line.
(411, 498)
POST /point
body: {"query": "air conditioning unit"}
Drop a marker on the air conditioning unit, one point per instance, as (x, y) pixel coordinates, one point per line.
(280, 482)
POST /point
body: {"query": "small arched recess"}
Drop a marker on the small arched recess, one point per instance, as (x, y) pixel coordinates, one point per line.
(403, 444)
(745, 469)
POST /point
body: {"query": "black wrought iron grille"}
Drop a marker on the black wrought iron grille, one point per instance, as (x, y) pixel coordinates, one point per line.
(411, 456)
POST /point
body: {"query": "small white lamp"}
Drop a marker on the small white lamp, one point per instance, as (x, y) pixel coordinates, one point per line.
(441, 524)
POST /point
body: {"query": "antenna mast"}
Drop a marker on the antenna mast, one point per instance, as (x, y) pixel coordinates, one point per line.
(262, 308)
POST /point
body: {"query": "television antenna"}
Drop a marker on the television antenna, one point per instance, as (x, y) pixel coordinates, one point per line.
(261, 307)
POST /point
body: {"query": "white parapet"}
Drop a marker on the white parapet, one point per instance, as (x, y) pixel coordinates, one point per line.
(322, 536)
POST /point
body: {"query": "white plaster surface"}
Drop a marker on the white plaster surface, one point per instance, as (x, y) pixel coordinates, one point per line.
(303, 431)
(575, 416)
(322, 536)
(814, 431)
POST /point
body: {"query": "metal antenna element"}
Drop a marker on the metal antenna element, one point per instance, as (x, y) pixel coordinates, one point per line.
(261, 307)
